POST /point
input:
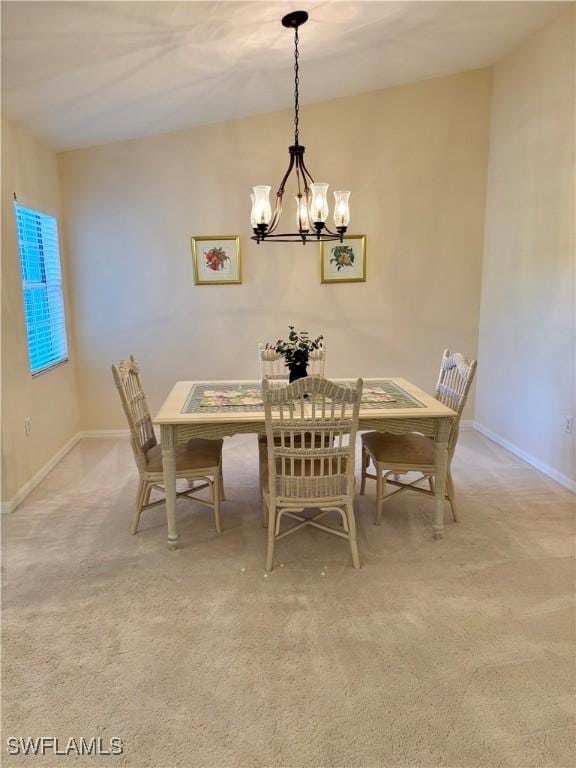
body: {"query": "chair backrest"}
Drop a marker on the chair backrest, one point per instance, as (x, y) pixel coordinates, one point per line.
(454, 382)
(273, 367)
(311, 430)
(127, 377)
(317, 362)
(271, 364)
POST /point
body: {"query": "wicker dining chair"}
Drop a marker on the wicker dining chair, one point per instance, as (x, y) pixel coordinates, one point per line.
(308, 460)
(197, 460)
(395, 455)
(273, 367)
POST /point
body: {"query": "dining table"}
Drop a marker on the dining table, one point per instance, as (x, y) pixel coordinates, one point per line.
(218, 409)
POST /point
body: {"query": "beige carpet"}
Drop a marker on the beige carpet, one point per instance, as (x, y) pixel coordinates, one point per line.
(454, 653)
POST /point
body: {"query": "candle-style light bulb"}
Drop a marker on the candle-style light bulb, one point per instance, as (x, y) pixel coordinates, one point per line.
(341, 208)
(302, 220)
(261, 208)
(319, 202)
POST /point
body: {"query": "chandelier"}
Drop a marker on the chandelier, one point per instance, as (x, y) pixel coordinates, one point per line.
(312, 197)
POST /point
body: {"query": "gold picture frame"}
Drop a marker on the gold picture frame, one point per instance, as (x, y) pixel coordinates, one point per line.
(218, 262)
(346, 266)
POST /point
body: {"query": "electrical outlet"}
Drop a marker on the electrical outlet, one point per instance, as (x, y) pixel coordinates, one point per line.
(569, 424)
(27, 425)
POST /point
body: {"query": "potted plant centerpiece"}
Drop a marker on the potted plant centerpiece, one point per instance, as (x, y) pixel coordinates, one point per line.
(296, 351)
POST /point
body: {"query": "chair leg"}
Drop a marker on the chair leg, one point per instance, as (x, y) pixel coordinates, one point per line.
(265, 513)
(380, 493)
(271, 536)
(365, 465)
(142, 492)
(222, 494)
(451, 495)
(216, 500)
(352, 534)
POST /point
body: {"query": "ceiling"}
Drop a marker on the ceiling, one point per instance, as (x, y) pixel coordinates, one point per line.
(84, 73)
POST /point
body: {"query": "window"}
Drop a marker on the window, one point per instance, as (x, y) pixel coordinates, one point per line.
(42, 288)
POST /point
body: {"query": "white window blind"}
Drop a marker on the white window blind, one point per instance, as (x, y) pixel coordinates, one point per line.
(42, 287)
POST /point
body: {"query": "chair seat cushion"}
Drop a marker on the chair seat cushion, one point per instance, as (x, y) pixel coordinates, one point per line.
(197, 453)
(410, 448)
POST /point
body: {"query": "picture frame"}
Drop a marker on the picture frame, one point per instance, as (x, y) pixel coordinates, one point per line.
(217, 259)
(343, 262)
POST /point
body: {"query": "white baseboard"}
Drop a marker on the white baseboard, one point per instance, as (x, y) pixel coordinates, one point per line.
(90, 433)
(567, 482)
(18, 498)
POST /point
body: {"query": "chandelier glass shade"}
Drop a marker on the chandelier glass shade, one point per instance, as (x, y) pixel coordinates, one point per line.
(311, 210)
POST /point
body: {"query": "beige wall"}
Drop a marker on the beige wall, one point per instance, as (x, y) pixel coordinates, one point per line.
(415, 158)
(526, 356)
(50, 399)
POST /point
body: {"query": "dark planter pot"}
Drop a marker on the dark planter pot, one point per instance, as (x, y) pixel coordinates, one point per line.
(299, 371)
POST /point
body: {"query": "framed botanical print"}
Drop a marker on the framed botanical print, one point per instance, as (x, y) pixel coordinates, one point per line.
(216, 259)
(343, 262)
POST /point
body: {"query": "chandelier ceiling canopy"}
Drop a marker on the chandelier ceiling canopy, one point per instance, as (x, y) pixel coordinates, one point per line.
(312, 210)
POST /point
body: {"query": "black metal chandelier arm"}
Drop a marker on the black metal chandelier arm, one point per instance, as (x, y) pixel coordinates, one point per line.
(305, 172)
(276, 215)
(286, 175)
(337, 235)
(279, 196)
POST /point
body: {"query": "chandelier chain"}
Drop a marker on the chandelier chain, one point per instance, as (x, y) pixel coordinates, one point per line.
(296, 88)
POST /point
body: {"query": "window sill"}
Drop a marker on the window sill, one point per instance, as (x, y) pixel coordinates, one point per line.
(50, 367)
